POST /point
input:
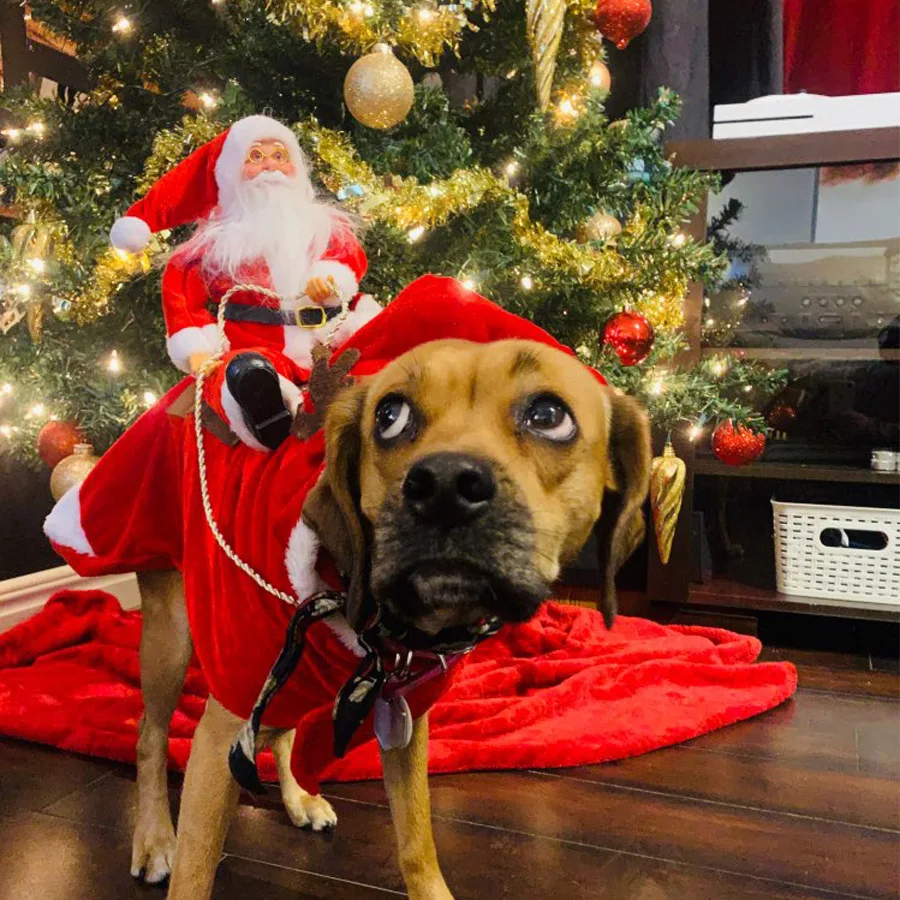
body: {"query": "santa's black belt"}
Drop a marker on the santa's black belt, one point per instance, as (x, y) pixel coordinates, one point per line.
(304, 317)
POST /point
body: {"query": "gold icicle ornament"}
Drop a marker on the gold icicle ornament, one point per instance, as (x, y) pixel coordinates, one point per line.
(544, 20)
(667, 476)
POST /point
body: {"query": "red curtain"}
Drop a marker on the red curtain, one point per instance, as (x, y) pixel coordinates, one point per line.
(837, 47)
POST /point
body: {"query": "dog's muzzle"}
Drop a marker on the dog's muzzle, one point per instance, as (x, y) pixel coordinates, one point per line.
(458, 546)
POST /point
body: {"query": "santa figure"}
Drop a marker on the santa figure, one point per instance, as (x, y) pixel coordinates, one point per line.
(286, 263)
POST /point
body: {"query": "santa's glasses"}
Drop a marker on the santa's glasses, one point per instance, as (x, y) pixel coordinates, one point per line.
(277, 153)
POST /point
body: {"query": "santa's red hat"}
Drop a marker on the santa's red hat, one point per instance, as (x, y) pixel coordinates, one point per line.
(196, 186)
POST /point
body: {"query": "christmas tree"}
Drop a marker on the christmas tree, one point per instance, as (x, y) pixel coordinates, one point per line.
(505, 173)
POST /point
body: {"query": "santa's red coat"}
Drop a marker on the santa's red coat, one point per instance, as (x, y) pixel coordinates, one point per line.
(189, 293)
(140, 508)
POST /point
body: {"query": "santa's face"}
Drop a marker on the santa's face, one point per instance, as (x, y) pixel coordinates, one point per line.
(267, 155)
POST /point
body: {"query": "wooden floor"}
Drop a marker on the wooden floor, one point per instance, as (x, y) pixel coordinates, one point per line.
(800, 803)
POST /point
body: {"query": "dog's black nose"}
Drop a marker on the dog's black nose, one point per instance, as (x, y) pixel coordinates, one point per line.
(449, 489)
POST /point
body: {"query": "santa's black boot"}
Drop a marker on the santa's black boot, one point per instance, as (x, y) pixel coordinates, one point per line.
(253, 382)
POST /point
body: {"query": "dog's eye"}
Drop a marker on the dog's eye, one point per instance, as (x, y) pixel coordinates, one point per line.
(549, 417)
(393, 417)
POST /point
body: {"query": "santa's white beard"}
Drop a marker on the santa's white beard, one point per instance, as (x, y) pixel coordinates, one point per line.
(273, 218)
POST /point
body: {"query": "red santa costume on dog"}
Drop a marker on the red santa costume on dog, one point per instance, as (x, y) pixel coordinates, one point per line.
(140, 507)
(260, 224)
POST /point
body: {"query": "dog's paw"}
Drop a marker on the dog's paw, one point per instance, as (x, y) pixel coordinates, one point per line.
(310, 811)
(152, 852)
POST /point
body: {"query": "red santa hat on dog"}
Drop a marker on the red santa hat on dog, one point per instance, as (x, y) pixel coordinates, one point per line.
(200, 183)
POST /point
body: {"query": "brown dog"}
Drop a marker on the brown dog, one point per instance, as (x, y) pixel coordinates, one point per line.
(459, 481)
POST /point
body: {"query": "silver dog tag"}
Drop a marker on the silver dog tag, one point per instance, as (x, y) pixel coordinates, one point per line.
(393, 723)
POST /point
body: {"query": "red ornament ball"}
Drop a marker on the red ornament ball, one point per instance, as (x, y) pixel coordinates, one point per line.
(57, 440)
(737, 446)
(622, 20)
(630, 335)
(782, 417)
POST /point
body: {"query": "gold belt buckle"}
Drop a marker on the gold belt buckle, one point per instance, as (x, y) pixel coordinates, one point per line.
(299, 318)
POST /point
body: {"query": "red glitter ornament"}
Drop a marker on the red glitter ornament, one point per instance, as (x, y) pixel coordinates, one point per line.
(737, 446)
(782, 417)
(622, 20)
(630, 335)
(57, 440)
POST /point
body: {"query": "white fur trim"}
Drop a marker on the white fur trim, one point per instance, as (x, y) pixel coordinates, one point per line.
(300, 561)
(63, 525)
(129, 233)
(241, 136)
(298, 344)
(366, 309)
(291, 394)
(344, 280)
(345, 634)
(185, 343)
(235, 416)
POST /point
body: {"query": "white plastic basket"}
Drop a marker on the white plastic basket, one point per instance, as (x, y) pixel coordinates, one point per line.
(807, 567)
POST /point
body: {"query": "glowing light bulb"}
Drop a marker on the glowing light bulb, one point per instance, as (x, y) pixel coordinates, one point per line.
(512, 73)
(425, 15)
(435, 190)
(208, 100)
(38, 265)
(527, 282)
(6, 389)
(414, 234)
(37, 129)
(114, 364)
(469, 284)
(719, 367)
(657, 387)
(37, 409)
(6, 430)
(748, 388)
(149, 398)
(710, 322)
(512, 168)
(23, 290)
(678, 240)
(694, 433)
(566, 108)
(122, 25)
(13, 133)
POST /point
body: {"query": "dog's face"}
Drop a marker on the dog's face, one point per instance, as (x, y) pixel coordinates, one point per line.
(463, 476)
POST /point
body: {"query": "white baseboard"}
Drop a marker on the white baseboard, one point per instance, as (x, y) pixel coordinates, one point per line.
(24, 596)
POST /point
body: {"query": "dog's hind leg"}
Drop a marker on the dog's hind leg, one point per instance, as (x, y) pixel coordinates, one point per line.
(304, 810)
(208, 802)
(406, 780)
(165, 654)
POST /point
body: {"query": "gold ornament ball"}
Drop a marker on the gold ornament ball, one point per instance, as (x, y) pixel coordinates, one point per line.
(599, 76)
(72, 470)
(378, 89)
(599, 227)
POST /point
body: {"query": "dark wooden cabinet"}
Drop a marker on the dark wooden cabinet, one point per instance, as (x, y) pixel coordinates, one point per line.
(827, 311)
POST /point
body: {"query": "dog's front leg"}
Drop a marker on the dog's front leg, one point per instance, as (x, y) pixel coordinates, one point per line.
(208, 802)
(406, 780)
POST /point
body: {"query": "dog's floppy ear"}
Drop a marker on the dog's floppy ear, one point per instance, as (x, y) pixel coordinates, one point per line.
(332, 507)
(627, 483)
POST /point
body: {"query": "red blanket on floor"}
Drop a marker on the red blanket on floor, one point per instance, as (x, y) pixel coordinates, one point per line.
(558, 691)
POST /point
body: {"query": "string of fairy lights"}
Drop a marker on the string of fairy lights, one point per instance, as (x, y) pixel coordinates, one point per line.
(422, 32)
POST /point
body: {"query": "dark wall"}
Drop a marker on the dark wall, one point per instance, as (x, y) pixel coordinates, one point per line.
(24, 502)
